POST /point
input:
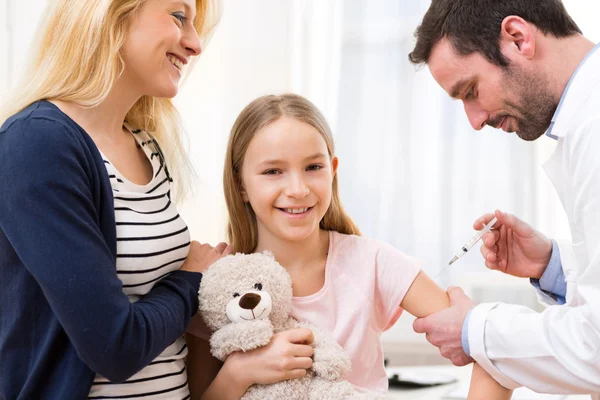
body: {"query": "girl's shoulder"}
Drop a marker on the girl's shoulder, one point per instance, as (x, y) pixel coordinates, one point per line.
(362, 249)
(364, 244)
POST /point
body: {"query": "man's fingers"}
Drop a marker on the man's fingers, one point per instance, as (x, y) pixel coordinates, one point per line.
(488, 253)
(514, 223)
(483, 220)
(455, 294)
(491, 238)
(494, 266)
(419, 325)
(461, 360)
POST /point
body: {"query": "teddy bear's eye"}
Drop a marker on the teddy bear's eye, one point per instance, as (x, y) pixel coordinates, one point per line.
(258, 286)
(236, 295)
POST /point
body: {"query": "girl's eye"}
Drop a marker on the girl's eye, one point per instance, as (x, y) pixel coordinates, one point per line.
(258, 286)
(272, 172)
(179, 16)
(314, 167)
(236, 295)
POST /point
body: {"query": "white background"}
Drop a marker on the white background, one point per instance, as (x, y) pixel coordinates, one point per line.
(413, 173)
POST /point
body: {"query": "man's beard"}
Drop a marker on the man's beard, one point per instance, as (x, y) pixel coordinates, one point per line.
(536, 108)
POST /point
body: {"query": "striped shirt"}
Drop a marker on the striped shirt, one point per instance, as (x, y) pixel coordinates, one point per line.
(152, 241)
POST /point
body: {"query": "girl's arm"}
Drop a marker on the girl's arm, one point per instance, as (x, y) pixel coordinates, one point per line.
(425, 297)
(287, 356)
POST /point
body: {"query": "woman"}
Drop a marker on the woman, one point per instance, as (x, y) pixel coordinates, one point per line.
(96, 283)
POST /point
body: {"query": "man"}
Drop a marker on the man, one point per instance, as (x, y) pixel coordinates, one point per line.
(524, 66)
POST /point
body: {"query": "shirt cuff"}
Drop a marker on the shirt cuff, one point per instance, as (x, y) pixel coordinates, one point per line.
(464, 336)
(552, 282)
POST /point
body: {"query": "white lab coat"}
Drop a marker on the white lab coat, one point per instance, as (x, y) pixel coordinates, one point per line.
(558, 350)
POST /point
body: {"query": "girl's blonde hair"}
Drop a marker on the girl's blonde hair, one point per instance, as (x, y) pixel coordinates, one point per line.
(76, 58)
(242, 228)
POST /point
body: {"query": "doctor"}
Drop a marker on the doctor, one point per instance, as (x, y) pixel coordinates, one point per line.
(525, 67)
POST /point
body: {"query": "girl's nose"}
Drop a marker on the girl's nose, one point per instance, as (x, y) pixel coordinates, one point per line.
(297, 187)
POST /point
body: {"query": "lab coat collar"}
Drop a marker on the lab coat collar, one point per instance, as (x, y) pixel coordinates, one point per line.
(582, 83)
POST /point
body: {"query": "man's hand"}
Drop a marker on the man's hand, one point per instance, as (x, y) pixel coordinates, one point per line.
(443, 329)
(514, 247)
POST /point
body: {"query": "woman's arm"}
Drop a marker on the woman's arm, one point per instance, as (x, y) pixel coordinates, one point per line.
(53, 218)
(425, 297)
(287, 356)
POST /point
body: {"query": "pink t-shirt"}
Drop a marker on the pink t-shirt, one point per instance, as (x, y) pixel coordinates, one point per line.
(365, 282)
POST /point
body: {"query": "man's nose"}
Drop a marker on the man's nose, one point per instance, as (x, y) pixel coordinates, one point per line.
(477, 117)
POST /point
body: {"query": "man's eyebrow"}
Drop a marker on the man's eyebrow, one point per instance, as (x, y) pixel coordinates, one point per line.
(455, 91)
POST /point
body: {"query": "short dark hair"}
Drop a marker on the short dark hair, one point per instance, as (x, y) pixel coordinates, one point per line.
(474, 25)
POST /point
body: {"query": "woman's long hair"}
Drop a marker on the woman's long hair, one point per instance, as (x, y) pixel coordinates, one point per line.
(76, 58)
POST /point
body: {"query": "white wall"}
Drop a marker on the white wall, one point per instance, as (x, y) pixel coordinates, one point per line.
(18, 21)
(249, 56)
(257, 50)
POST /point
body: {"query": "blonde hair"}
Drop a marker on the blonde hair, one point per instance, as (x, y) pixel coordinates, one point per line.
(242, 228)
(76, 58)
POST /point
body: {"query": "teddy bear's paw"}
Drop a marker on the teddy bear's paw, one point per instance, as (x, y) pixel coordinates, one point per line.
(322, 389)
(330, 365)
(240, 336)
(368, 396)
(331, 369)
(292, 389)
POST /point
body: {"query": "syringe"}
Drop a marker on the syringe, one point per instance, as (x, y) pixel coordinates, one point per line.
(474, 240)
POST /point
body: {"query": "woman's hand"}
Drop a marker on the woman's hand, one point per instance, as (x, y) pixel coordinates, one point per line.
(202, 256)
(287, 356)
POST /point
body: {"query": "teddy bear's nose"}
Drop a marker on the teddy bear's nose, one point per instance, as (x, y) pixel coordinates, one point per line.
(249, 301)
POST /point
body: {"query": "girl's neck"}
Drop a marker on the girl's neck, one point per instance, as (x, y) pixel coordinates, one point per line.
(296, 255)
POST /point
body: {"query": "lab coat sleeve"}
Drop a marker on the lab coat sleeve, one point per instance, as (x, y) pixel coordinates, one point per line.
(557, 350)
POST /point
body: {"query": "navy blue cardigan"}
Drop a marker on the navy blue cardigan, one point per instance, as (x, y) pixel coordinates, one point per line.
(63, 314)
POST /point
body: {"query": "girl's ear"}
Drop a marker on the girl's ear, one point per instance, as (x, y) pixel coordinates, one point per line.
(334, 165)
(244, 194)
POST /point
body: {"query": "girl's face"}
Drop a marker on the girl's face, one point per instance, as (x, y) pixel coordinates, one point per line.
(159, 43)
(287, 178)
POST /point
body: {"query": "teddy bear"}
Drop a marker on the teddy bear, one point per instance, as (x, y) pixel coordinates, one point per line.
(245, 299)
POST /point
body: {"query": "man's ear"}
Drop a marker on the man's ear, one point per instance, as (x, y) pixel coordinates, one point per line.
(517, 38)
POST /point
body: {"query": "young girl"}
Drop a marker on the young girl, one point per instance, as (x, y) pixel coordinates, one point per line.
(282, 195)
